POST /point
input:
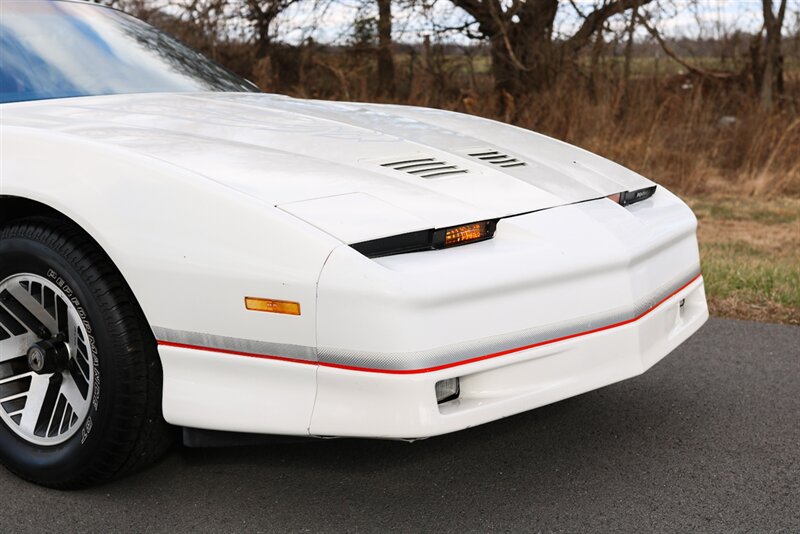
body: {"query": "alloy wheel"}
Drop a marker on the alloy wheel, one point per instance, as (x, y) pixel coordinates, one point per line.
(47, 366)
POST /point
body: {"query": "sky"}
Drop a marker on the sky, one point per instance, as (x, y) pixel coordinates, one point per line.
(691, 18)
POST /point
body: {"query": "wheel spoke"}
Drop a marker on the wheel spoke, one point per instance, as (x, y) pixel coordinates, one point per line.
(49, 403)
(77, 345)
(33, 407)
(70, 390)
(16, 346)
(33, 307)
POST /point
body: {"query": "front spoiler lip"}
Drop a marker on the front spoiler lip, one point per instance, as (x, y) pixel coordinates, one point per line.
(427, 361)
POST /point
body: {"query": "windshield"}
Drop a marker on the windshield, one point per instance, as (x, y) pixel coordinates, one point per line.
(64, 49)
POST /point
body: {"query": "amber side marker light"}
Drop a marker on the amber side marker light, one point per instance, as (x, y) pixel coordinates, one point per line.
(272, 306)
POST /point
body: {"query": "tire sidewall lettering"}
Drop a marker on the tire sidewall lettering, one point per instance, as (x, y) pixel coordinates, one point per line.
(62, 284)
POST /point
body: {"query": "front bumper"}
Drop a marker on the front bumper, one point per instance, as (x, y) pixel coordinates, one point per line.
(244, 392)
(391, 405)
(560, 302)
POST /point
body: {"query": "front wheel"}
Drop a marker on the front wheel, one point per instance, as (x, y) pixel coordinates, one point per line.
(80, 378)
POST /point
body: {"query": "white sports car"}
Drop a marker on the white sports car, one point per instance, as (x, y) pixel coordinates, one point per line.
(178, 249)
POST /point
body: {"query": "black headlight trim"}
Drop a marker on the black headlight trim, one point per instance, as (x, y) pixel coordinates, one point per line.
(418, 241)
(627, 198)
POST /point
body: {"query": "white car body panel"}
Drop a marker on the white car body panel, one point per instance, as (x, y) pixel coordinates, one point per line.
(203, 199)
(280, 151)
(398, 406)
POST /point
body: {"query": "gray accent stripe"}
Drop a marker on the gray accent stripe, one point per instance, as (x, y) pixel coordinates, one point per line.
(232, 344)
(450, 354)
(432, 358)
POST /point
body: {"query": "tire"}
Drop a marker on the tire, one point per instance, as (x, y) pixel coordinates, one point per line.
(103, 396)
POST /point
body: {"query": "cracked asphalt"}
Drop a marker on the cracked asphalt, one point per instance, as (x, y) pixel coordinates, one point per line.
(708, 440)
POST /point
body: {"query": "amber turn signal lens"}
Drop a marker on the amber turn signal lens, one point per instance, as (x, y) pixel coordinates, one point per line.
(272, 306)
(464, 234)
(433, 239)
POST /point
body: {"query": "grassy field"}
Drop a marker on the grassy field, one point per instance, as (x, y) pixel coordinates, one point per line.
(750, 252)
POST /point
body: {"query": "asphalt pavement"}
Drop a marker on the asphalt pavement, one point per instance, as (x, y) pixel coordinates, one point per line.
(708, 440)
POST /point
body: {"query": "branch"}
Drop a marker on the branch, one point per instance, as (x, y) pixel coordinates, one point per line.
(595, 20)
(465, 29)
(514, 9)
(501, 21)
(479, 11)
(577, 9)
(719, 75)
(781, 14)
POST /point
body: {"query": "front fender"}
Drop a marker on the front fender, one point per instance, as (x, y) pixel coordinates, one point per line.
(190, 248)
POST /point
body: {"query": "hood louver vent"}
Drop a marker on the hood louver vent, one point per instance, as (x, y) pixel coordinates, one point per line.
(425, 167)
(498, 158)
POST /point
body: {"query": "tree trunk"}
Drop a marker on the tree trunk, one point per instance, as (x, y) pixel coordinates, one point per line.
(523, 59)
(757, 63)
(598, 47)
(626, 74)
(624, 94)
(772, 64)
(386, 85)
(505, 73)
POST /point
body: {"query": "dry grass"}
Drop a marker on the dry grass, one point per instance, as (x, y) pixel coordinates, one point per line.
(694, 136)
(694, 140)
(751, 257)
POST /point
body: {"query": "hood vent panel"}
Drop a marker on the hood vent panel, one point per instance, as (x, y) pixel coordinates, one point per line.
(425, 167)
(498, 158)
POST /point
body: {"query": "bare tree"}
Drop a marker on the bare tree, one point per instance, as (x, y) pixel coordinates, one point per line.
(386, 85)
(203, 24)
(525, 54)
(772, 59)
(262, 14)
(138, 8)
(630, 31)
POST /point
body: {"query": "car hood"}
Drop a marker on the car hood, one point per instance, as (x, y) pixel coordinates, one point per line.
(356, 171)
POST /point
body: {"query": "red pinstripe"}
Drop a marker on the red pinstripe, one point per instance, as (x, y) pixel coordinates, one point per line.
(438, 367)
